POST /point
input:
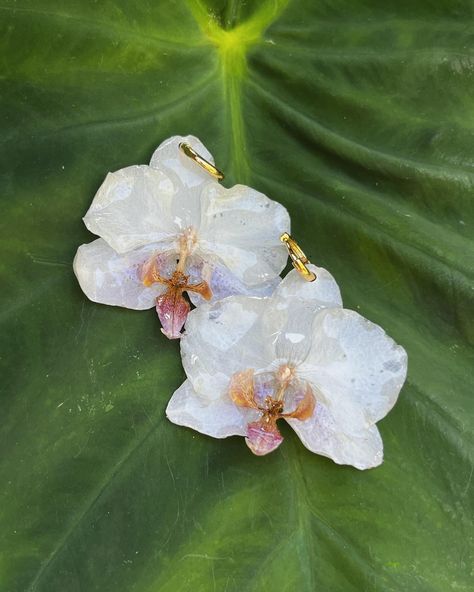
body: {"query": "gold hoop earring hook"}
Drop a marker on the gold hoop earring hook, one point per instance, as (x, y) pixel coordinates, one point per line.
(298, 258)
(202, 162)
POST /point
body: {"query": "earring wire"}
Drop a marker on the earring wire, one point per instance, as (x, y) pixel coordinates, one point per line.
(202, 162)
(298, 258)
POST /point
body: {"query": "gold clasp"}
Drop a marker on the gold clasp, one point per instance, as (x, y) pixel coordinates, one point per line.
(202, 162)
(298, 258)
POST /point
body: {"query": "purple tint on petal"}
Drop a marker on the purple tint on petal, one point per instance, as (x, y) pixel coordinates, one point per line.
(157, 265)
(262, 438)
(294, 394)
(194, 269)
(264, 386)
(166, 262)
(223, 282)
(172, 311)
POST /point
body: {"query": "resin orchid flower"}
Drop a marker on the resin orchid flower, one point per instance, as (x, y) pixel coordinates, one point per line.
(170, 228)
(298, 356)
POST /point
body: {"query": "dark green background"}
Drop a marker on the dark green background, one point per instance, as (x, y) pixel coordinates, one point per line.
(359, 117)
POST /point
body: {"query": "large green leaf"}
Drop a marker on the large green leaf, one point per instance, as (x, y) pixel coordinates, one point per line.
(359, 117)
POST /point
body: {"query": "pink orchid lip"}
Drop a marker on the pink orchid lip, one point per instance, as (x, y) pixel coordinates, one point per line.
(171, 306)
(263, 438)
(172, 311)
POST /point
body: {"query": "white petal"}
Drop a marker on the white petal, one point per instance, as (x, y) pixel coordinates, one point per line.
(242, 227)
(223, 338)
(110, 278)
(290, 314)
(134, 207)
(169, 158)
(321, 434)
(218, 418)
(223, 282)
(322, 293)
(354, 364)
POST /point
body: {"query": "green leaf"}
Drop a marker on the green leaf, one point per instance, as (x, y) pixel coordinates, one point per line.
(358, 116)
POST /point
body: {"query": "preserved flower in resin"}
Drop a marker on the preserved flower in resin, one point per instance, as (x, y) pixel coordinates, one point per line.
(297, 356)
(169, 228)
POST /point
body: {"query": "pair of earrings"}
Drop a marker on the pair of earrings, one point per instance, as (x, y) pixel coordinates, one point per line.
(256, 348)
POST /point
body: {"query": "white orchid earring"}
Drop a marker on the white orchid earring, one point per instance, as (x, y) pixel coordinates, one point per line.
(170, 228)
(297, 355)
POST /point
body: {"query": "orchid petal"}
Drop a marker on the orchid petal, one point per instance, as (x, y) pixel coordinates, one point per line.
(290, 312)
(217, 417)
(354, 364)
(172, 311)
(241, 389)
(221, 339)
(242, 227)
(223, 282)
(323, 292)
(305, 405)
(322, 434)
(141, 204)
(183, 170)
(110, 278)
(263, 438)
(202, 289)
(133, 208)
